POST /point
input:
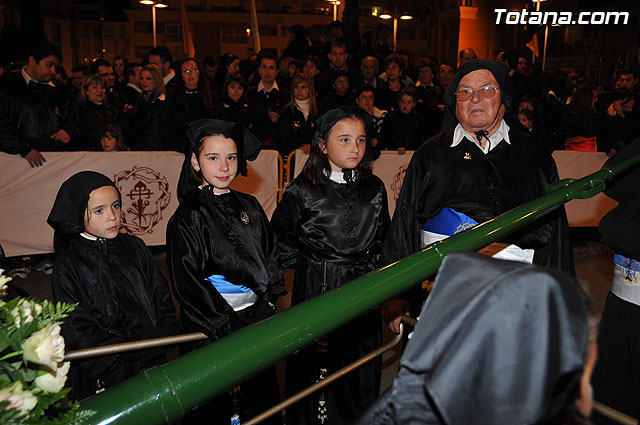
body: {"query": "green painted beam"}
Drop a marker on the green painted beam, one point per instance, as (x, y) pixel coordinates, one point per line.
(165, 393)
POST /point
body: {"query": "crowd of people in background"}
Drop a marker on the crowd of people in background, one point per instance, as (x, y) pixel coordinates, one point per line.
(147, 105)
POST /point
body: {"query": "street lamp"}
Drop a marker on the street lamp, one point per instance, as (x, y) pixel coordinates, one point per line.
(403, 16)
(153, 5)
(335, 4)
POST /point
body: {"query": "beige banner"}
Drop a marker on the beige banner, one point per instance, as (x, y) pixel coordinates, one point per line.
(391, 168)
(147, 181)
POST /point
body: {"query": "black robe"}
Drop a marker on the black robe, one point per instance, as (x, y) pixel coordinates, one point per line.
(121, 296)
(482, 187)
(207, 235)
(331, 233)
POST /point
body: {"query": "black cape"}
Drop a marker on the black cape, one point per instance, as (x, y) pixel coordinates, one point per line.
(481, 187)
(121, 296)
(331, 233)
(498, 342)
(207, 236)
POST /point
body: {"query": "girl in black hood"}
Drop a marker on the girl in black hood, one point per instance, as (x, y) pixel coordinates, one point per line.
(121, 294)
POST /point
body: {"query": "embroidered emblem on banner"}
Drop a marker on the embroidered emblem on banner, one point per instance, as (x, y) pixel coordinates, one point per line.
(396, 183)
(145, 194)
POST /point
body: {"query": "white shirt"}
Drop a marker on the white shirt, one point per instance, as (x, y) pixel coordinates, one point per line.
(494, 140)
(133, 86)
(169, 76)
(27, 78)
(263, 88)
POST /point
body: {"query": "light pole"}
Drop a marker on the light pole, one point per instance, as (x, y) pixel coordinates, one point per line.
(403, 17)
(153, 5)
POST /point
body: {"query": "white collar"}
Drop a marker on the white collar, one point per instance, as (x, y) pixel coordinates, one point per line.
(169, 76)
(28, 78)
(338, 177)
(135, 87)
(501, 134)
(217, 194)
(88, 236)
(262, 87)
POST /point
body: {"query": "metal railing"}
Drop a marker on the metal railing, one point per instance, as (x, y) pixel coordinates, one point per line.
(165, 393)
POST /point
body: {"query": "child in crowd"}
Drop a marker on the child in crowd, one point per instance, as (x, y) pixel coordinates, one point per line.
(233, 107)
(525, 116)
(121, 294)
(111, 138)
(403, 128)
(298, 117)
(340, 96)
(330, 225)
(223, 257)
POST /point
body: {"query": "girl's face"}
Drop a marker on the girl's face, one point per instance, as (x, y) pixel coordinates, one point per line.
(217, 161)
(346, 144)
(234, 67)
(301, 91)
(524, 121)
(102, 216)
(190, 74)
(108, 142)
(147, 82)
(235, 91)
(95, 93)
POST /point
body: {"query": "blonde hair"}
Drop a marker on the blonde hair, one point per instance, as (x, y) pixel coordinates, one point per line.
(313, 106)
(158, 87)
(90, 80)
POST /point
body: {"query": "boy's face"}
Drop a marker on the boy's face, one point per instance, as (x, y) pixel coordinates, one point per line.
(103, 214)
(218, 162)
(341, 85)
(406, 103)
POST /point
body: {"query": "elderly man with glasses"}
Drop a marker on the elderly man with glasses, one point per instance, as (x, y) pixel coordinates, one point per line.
(474, 172)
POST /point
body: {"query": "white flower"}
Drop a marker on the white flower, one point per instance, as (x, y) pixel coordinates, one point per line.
(24, 401)
(45, 347)
(24, 308)
(53, 382)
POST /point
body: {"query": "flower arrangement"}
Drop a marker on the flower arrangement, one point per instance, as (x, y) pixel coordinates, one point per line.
(32, 371)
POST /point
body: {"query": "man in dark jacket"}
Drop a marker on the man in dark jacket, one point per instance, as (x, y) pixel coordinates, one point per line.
(266, 100)
(34, 115)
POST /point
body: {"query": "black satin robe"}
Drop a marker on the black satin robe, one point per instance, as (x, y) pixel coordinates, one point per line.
(207, 235)
(332, 233)
(122, 296)
(482, 187)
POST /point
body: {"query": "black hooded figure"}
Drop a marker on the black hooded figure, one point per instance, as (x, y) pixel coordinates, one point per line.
(224, 263)
(330, 225)
(481, 175)
(498, 342)
(121, 294)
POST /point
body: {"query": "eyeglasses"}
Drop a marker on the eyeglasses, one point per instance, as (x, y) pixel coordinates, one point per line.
(189, 71)
(484, 92)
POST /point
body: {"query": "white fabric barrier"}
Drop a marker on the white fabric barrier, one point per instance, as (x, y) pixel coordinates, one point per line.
(391, 168)
(147, 181)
